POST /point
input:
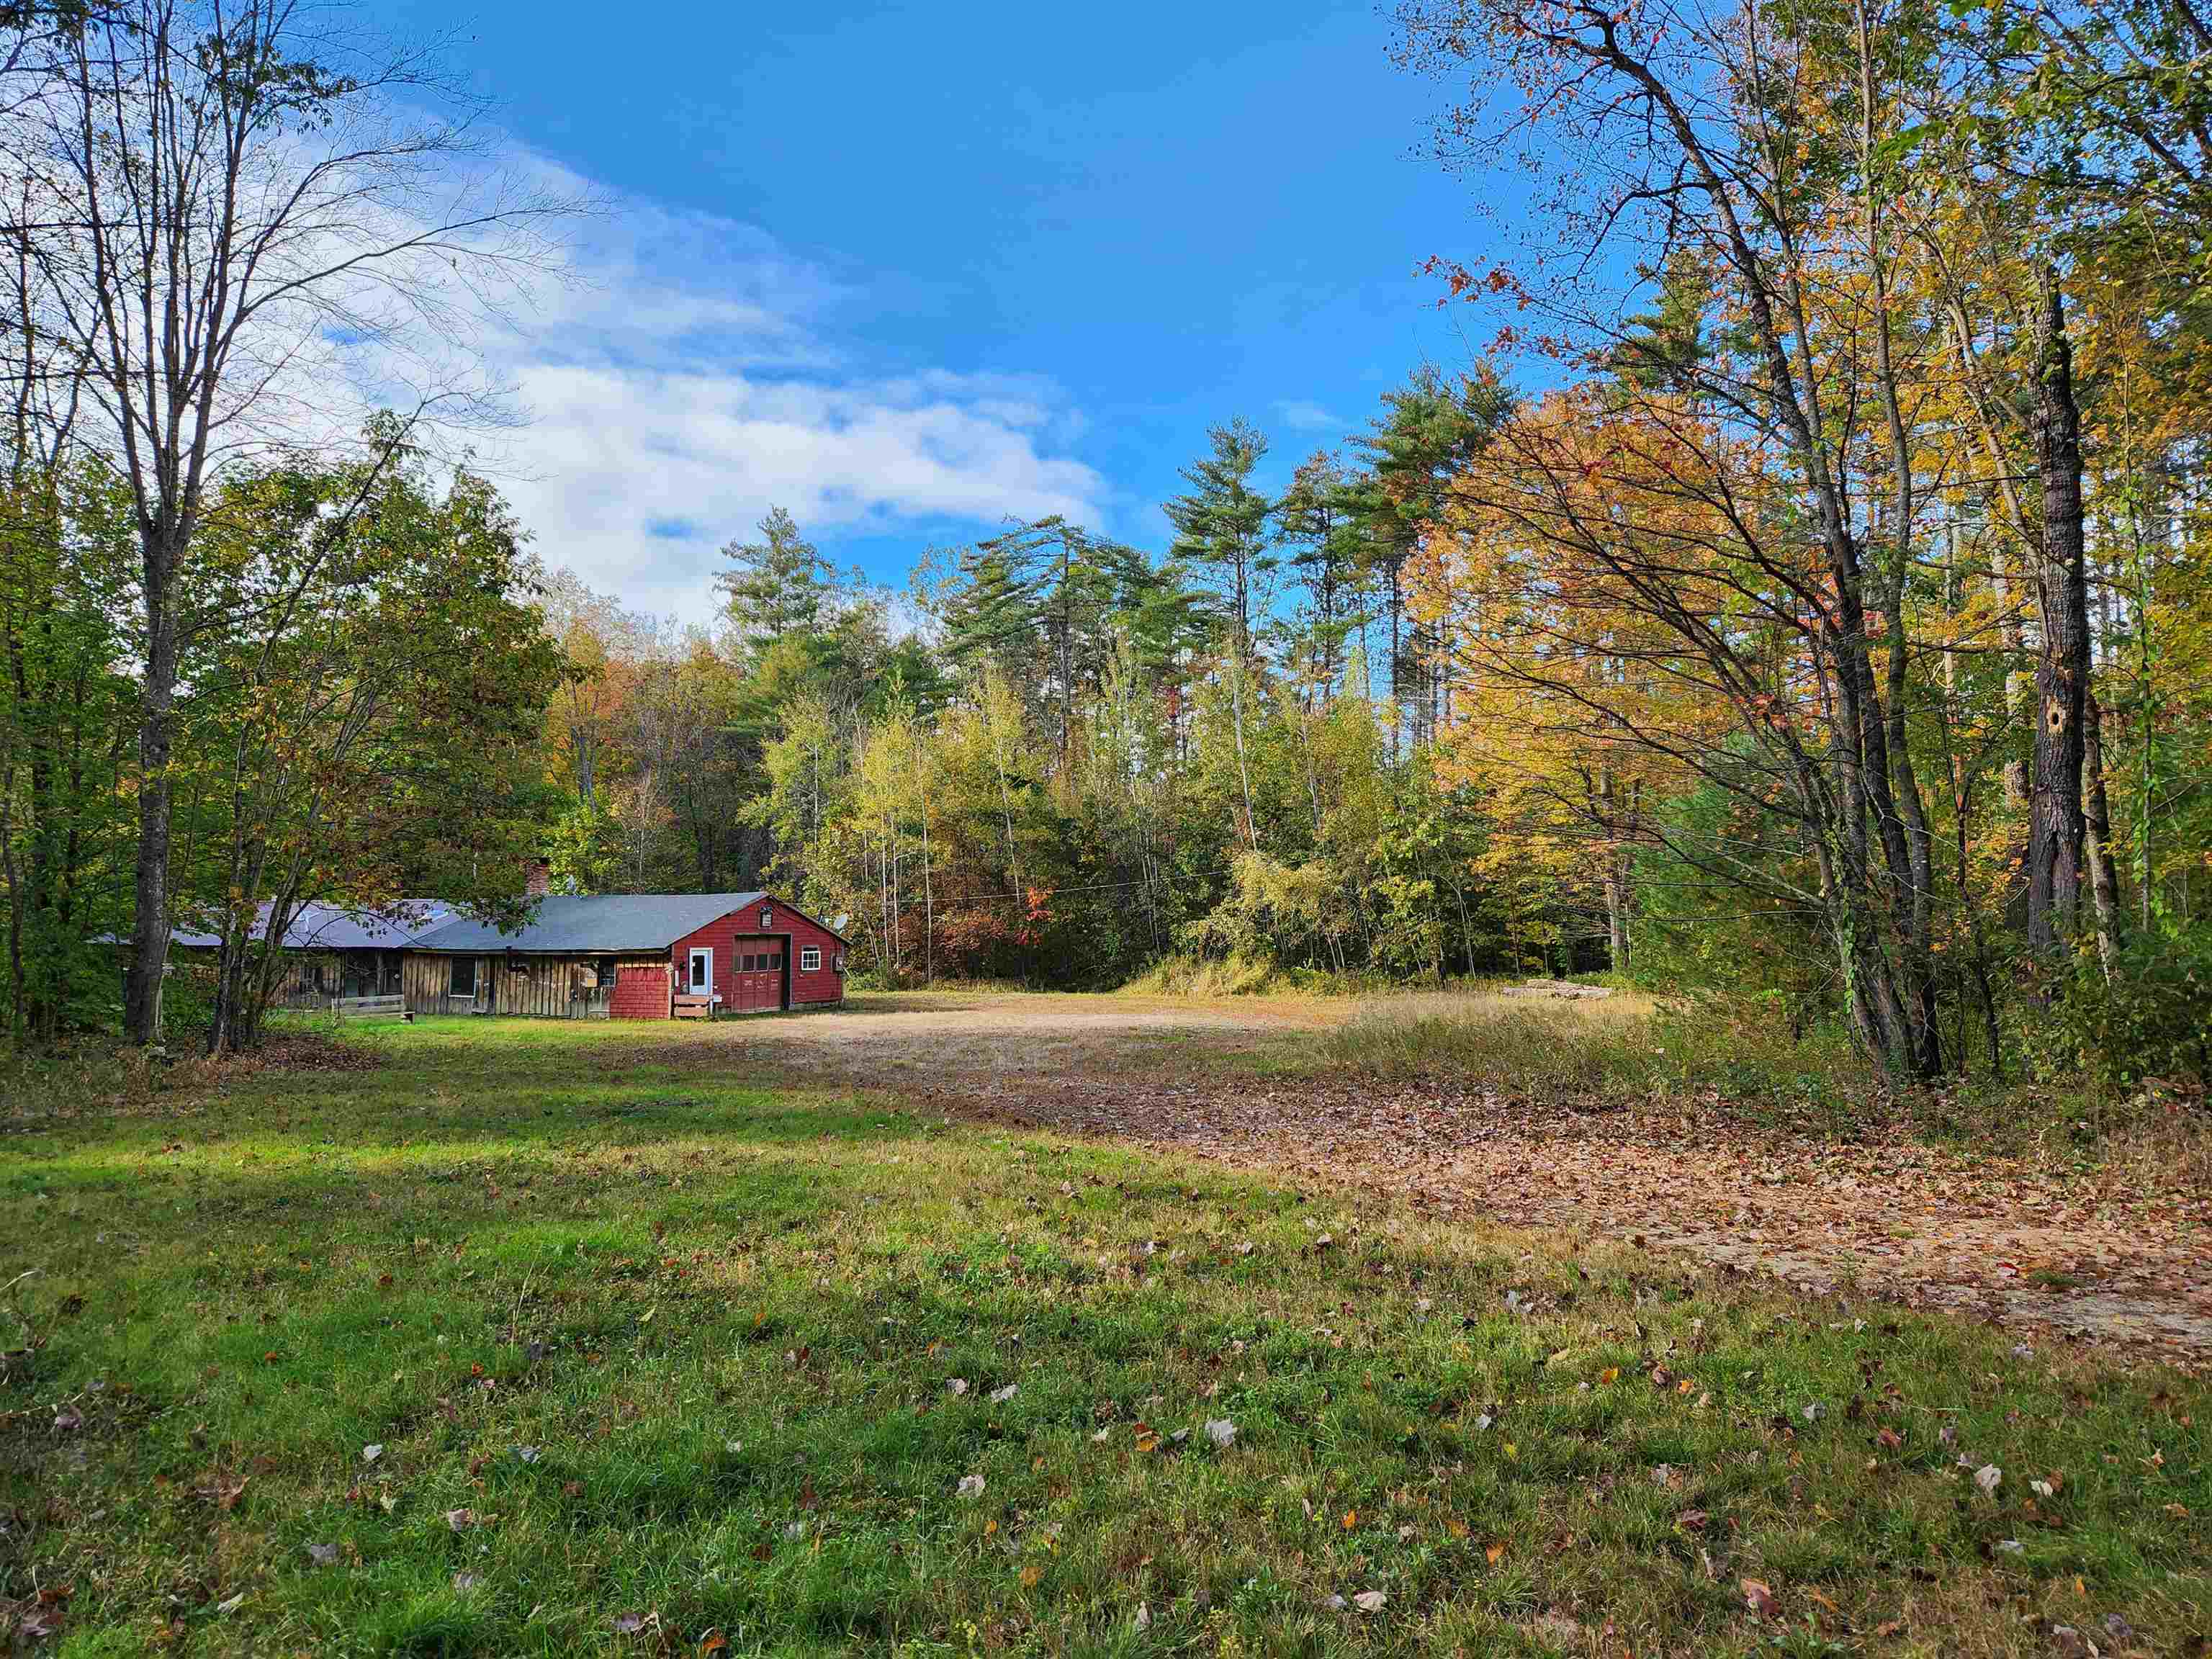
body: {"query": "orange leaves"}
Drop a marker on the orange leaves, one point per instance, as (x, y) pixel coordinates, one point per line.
(1462, 283)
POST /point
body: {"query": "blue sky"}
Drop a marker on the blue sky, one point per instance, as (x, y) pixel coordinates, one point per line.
(906, 270)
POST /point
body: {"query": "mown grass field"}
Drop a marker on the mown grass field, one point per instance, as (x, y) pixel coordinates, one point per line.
(663, 1357)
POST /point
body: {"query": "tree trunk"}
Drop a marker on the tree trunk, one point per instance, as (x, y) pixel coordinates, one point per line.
(149, 926)
(1243, 767)
(1616, 875)
(1396, 604)
(2057, 830)
(1915, 870)
(2104, 878)
(2019, 685)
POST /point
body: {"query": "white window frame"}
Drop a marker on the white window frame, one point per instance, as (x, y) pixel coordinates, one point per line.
(700, 953)
(810, 959)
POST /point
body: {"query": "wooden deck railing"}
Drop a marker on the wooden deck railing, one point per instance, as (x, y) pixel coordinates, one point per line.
(391, 1007)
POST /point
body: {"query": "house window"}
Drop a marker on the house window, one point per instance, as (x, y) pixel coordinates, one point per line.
(702, 972)
(810, 960)
(464, 976)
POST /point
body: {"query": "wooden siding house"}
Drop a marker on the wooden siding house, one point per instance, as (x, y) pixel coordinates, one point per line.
(630, 956)
(329, 951)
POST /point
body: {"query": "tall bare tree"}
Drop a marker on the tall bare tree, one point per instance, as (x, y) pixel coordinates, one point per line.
(234, 214)
(1697, 122)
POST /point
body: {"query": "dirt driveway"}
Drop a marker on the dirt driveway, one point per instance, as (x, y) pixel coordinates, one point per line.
(1893, 1218)
(991, 1041)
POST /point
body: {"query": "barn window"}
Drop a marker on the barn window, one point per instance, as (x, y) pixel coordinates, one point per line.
(603, 972)
(810, 960)
(464, 976)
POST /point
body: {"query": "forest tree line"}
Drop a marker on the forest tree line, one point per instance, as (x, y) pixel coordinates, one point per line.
(1828, 628)
(1824, 627)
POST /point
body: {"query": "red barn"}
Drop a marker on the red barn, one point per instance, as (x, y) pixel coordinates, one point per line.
(632, 956)
(761, 955)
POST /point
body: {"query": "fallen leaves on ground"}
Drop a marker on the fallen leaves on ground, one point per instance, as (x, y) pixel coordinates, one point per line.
(1924, 1225)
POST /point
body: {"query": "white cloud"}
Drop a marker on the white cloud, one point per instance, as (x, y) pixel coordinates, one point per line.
(666, 376)
(670, 376)
(673, 373)
(637, 475)
(1302, 415)
(686, 373)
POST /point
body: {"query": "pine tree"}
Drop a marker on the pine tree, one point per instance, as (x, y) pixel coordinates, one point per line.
(989, 612)
(1428, 432)
(1221, 534)
(1663, 350)
(776, 584)
(1221, 527)
(1317, 517)
(1049, 585)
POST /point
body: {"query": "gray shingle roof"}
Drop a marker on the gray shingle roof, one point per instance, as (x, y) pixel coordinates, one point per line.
(319, 927)
(571, 924)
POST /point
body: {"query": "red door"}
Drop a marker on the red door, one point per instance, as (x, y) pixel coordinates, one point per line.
(757, 975)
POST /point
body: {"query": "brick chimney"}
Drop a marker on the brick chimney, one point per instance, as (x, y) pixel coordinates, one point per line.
(539, 882)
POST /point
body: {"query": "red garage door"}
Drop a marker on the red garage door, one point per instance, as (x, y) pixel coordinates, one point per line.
(757, 976)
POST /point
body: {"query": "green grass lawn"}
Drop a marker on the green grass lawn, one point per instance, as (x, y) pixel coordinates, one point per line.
(661, 1358)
